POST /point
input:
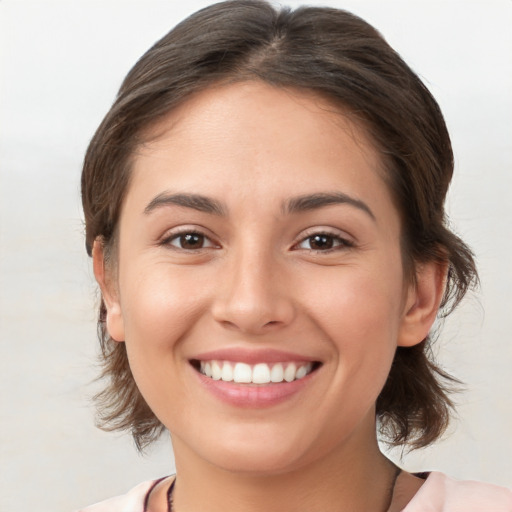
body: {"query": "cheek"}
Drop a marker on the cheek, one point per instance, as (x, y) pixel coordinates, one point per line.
(159, 309)
(360, 314)
(159, 306)
(357, 303)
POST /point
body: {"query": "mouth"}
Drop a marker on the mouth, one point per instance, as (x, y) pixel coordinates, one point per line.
(260, 373)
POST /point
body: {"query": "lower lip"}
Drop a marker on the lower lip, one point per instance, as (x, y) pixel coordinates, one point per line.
(254, 395)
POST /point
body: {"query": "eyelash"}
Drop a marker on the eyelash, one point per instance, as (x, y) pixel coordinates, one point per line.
(341, 243)
(338, 242)
(167, 241)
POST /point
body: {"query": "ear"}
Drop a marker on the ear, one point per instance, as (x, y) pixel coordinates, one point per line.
(109, 292)
(422, 303)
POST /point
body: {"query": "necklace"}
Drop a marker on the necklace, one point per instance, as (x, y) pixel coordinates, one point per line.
(169, 497)
(170, 502)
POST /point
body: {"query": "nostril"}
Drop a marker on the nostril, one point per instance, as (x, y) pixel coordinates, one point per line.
(228, 324)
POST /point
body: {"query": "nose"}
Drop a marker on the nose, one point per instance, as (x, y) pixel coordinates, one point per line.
(253, 295)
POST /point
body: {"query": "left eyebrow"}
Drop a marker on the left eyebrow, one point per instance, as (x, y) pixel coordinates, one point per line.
(193, 201)
(322, 199)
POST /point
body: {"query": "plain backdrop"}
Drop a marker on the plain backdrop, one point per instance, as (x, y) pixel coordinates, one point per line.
(61, 64)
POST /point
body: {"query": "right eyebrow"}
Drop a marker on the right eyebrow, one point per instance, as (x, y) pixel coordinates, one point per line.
(195, 201)
(322, 199)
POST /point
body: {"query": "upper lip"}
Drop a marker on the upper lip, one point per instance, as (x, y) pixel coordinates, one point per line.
(252, 356)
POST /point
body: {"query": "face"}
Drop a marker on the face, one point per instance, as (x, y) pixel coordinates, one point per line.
(258, 242)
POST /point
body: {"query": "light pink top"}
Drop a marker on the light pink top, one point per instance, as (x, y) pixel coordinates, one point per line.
(439, 493)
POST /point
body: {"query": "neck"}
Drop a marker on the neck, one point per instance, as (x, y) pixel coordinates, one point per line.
(354, 476)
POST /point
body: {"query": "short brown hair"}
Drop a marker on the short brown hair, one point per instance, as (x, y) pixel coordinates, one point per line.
(344, 59)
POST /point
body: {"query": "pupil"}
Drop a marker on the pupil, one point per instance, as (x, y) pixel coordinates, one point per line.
(322, 242)
(191, 240)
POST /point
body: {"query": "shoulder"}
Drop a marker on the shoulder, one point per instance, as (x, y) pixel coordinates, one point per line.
(441, 493)
(133, 501)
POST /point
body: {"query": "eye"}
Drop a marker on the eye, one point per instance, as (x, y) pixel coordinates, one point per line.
(189, 241)
(323, 242)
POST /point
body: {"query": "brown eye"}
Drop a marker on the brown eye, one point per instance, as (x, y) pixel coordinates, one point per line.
(190, 241)
(323, 242)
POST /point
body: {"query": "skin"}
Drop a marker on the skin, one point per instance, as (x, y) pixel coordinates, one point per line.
(258, 282)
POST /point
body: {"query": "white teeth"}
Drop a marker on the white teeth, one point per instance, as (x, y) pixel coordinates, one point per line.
(227, 372)
(277, 373)
(242, 373)
(260, 373)
(301, 372)
(289, 373)
(216, 371)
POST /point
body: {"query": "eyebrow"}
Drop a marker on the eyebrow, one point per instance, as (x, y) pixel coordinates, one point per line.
(294, 205)
(322, 199)
(194, 201)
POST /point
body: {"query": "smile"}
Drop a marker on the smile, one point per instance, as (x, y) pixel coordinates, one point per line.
(254, 379)
(260, 373)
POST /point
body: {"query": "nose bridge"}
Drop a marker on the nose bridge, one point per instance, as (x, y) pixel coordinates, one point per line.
(253, 297)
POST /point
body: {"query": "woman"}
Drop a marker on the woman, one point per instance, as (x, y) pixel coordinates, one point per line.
(264, 209)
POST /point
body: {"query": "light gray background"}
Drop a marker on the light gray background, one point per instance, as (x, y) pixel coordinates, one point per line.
(61, 64)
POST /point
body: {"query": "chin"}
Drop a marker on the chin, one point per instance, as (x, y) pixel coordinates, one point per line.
(259, 453)
(257, 462)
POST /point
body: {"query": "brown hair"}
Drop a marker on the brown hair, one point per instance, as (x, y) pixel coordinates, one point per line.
(344, 59)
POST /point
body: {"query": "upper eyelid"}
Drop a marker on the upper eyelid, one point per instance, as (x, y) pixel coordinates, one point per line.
(343, 237)
(174, 233)
(180, 230)
(330, 231)
(305, 234)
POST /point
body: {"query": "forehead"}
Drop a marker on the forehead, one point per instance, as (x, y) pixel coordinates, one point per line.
(258, 103)
(259, 136)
